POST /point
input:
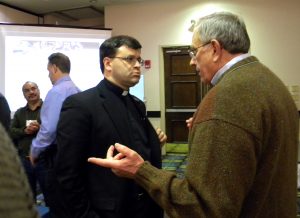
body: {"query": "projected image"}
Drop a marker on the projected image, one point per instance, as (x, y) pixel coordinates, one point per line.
(26, 59)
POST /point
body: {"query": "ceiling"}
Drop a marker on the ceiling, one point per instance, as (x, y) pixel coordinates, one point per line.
(70, 9)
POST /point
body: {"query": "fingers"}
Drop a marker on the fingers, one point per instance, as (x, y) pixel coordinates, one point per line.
(159, 131)
(124, 150)
(125, 164)
(119, 156)
(163, 140)
(110, 152)
(189, 122)
(101, 162)
(127, 154)
(161, 136)
(110, 158)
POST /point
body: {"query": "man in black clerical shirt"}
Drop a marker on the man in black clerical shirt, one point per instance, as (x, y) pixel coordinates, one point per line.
(90, 122)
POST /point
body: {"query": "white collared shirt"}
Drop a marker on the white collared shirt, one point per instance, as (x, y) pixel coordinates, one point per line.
(233, 61)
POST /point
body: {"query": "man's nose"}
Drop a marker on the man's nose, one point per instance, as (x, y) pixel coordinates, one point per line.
(192, 62)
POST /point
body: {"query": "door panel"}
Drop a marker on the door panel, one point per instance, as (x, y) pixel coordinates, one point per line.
(176, 126)
(183, 92)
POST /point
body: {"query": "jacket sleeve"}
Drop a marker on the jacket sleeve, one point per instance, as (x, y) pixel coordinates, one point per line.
(4, 113)
(218, 176)
(16, 127)
(72, 139)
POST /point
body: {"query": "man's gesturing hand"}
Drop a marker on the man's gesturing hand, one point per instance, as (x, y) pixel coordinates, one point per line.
(125, 164)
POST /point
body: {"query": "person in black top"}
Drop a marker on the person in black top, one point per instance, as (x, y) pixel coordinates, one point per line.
(4, 112)
(24, 127)
(93, 120)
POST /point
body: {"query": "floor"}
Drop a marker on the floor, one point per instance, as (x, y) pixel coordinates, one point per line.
(175, 160)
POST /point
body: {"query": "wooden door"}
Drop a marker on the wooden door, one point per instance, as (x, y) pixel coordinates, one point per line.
(183, 92)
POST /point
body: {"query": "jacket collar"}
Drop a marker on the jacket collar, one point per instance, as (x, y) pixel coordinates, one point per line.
(242, 63)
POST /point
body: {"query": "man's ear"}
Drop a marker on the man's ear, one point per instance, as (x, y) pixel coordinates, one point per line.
(107, 64)
(55, 68)
(217, 49)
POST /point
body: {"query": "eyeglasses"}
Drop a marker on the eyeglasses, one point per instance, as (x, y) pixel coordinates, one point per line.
(132, 60)
(193, 51)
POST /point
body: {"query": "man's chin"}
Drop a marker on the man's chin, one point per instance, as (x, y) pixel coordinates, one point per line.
(133, 83)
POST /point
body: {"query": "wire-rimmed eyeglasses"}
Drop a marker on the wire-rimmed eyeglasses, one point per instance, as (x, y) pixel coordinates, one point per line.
(132, 60)
(193, 51)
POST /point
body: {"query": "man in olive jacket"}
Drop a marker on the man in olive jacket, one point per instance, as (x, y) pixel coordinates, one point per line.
(243, 138)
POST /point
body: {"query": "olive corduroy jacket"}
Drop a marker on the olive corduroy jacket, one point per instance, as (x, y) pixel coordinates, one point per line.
(243, 152)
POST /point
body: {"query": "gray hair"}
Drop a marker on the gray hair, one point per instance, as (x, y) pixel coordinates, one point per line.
(227, 28)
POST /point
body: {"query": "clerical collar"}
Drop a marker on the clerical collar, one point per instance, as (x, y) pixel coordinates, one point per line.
(115, 89)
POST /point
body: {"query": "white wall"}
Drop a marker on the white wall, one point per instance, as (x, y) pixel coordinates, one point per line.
(273, 26)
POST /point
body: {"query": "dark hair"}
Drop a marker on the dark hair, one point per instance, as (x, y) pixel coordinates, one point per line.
(61, 61)
(110, 47)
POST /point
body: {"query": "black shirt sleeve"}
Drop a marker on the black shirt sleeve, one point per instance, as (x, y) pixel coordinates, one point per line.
(4, 112)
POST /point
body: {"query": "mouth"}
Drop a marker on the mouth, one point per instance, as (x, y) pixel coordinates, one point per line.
(135, 74)
(32, 96)
(198, 70)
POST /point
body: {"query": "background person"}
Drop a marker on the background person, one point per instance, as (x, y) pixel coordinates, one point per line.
(24, 127)
(4, 112)
(243, 138)
(93, 120)
(43, 147)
